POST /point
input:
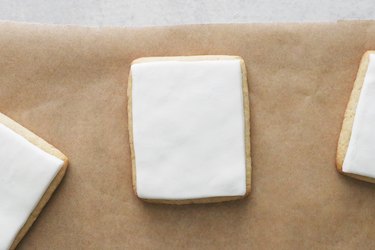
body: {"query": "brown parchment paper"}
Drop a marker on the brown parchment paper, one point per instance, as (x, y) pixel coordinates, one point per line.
(68, 85)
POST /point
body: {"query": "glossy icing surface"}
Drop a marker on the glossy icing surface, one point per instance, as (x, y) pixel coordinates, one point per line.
(26, 172)
(188, 129)
(360, 156)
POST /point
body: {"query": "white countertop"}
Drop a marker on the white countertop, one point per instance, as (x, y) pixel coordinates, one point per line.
(173, 12)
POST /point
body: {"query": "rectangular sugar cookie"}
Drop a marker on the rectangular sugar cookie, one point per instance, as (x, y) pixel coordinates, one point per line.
(30, 171)
(189, 126)
(356, 146)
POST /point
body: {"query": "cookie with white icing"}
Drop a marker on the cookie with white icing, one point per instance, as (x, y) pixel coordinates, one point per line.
(189, 127)
(356, 146)
(30, 171)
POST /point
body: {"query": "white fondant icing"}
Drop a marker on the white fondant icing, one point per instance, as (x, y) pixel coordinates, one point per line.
(188, 128)
(26, 171)
(360, 156)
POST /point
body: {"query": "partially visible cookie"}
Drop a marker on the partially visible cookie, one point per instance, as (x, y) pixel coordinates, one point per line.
(30, 171)
(189, 129)
(356, 146)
